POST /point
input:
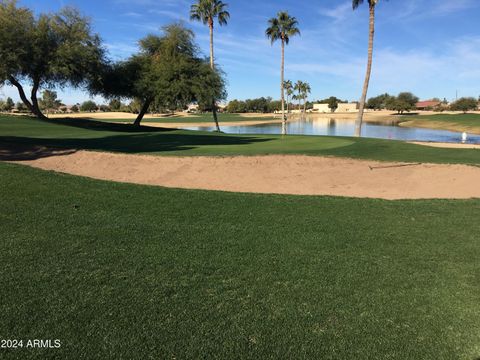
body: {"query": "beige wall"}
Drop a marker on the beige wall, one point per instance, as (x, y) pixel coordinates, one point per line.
(323, 108)
(352, 107)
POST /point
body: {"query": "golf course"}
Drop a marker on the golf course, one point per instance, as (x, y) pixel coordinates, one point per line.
(125, 271)
(204, 179)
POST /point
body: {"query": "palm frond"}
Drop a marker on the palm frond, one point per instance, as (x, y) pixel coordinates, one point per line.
(356, 3)
(284, 25)
(207, 10)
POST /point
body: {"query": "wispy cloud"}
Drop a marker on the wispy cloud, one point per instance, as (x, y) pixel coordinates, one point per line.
(132, 14)
(448, 7)
(176, 15)
(338, 13)
(121, 50)
(420, 10)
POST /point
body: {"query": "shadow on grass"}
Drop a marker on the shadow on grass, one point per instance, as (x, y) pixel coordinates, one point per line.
(12, 151)
(91, 124)
(134, 143)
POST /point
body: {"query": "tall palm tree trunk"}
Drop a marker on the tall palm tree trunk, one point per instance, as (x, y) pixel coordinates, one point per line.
(212, 65)
(304, 105)
(359, 122)
(212, 61)
(284, 118)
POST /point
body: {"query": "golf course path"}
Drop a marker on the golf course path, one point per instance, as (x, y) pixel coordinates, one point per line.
(291, 174)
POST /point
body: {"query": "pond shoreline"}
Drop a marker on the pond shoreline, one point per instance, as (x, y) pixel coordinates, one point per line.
(438, 125)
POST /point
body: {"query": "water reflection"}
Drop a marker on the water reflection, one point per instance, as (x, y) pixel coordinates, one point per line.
(345, 127)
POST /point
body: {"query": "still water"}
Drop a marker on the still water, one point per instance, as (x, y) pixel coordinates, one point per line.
(345, 127)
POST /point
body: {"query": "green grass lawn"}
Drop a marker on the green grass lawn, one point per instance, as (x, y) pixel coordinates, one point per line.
(119, 271)
(456, 122)
(195, 118)
(99, 136)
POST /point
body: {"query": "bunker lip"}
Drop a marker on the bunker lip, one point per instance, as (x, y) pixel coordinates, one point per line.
(274, 174)
(447, 145)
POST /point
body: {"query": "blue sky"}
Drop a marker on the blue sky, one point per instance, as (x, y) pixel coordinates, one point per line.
(429, 47)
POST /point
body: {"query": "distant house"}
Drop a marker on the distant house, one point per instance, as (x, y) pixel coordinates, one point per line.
(342, 108)
(428, 104)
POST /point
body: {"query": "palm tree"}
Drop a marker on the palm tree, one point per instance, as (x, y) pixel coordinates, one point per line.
(306, 89)
(282, 28)
(288, 86)
(207, 11)
(298, 88)
(371, 4)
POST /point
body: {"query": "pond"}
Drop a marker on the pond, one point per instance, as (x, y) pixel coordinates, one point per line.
(345, 127)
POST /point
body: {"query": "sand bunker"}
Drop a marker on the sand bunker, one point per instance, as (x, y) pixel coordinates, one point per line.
(301, 175)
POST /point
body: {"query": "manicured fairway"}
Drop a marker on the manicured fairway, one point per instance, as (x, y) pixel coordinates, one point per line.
(120, 271)
(457, 122)
(91, 135)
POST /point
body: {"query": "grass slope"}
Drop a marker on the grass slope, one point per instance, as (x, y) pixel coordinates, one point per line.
(453, 122)
(92, 135)
(119, 271)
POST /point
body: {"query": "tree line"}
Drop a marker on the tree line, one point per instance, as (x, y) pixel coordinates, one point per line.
(406, 102)
(403, 102)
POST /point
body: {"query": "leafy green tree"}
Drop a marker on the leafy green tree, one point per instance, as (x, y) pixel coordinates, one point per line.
(274, 106)
(259, 105)
(88, 106)
(207, 11)
(371, 4)
(404, 102)
(282, 28)
(21, 107)
(9, 105)
(167, 73)
(236, 107)
(208, 84)
(378, 102)
(75, 108)
(104, 108)
(465, 104)
(332, 103)
(115, 105)
(49, 101)
(49, 50)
